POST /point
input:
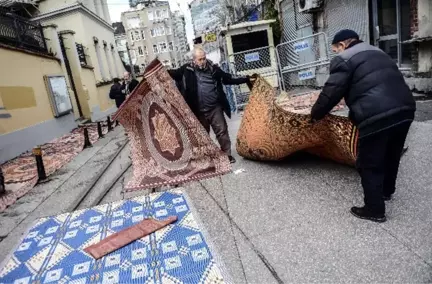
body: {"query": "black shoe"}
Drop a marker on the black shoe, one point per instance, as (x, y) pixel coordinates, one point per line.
(387, 198)
(231, 159)
(364, 213)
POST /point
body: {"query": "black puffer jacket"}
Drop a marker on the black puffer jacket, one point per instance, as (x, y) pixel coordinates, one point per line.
(117, 95)
(187, 83)
(373, 88)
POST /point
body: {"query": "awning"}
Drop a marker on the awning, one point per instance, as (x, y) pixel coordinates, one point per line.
(418, 39)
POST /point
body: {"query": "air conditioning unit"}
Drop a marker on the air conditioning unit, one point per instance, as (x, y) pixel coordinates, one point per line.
(308, 6)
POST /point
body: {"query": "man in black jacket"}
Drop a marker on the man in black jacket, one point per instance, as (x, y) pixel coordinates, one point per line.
(129, 84)
(201, 85)
(381, 106)
(116, 93)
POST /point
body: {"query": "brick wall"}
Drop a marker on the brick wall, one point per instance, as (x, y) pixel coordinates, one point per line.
(414, 16)
(414, 29)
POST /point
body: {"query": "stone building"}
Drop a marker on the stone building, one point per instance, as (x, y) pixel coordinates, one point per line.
(149, 32)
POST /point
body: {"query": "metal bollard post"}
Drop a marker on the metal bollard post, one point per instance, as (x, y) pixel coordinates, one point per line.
(37, 152)
(109, 124)
(87, 143)
(99, 128)
(2, 183)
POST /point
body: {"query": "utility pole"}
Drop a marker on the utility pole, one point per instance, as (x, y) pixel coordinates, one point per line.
(130, 61)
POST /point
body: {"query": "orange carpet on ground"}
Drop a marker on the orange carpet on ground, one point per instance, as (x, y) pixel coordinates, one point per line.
(21, 173)
(274, 129)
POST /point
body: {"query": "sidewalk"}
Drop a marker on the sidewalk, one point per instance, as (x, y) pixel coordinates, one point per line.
(286, 222)
(291, 221)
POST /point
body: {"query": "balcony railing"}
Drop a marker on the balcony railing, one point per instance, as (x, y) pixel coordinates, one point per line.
(18, 32)
(81, 54)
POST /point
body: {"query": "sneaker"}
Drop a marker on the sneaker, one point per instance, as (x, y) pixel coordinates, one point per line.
(387, 198)
(366, 214)
(231, 159)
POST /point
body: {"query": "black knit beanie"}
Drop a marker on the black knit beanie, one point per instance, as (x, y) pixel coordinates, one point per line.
(344, 35)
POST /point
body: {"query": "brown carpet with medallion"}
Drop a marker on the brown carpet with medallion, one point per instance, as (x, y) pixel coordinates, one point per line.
(274, 129)
(168, 144)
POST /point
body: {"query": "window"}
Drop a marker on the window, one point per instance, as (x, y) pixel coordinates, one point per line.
(170, 46)
(150, 15)
(161, 30)
(392, 21)
(140, 51)
(158, 14)
(145, 50)
(158, 31)
(143, 34)
(132, 36)
(137, 35)
(165, 13)
(155, 49)
(162, 47)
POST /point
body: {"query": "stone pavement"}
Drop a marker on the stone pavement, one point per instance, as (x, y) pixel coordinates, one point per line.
(289, 222)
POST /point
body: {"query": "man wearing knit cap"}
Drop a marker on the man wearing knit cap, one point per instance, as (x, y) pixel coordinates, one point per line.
(381, 106)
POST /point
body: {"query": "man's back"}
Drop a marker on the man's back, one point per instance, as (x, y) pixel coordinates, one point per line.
(377, 87)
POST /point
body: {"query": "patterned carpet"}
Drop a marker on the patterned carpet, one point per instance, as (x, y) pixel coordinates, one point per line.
(21, 173)
(274, 129)
(168, 144)
(52, 251)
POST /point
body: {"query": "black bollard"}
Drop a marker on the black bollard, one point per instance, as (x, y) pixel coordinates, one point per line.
(109, 124)
(117, 123)
(87, 143)
(99, 127)
(37, 152)
(2, 183)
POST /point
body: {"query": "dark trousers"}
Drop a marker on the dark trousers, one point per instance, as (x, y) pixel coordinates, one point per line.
(216, 119)
(378, 164)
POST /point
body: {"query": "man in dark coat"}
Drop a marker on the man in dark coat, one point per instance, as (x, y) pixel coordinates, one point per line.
(201, 85)
(129, 84)
(116, 93)
(381, 106)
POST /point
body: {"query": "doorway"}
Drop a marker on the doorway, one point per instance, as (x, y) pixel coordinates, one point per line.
(391, 26)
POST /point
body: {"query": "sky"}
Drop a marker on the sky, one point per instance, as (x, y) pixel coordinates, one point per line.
(116, 7)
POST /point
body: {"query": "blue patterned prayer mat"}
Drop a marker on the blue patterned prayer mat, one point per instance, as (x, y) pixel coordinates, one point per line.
(52, 250)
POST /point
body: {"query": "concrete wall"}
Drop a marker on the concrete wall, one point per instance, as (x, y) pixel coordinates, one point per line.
(26, 114)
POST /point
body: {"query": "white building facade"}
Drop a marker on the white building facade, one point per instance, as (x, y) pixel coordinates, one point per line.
(149, 31)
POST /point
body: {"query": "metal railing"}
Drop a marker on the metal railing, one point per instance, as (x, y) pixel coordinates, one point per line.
(260, 61)
(18, 32)
(81, 54)
(303, 62)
